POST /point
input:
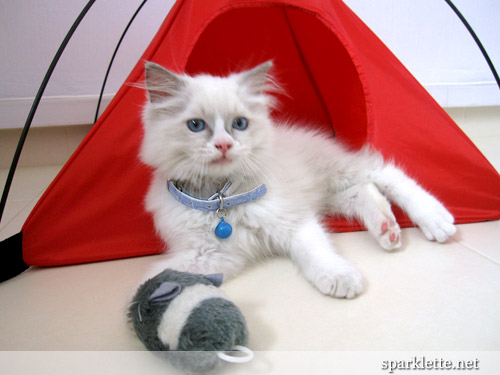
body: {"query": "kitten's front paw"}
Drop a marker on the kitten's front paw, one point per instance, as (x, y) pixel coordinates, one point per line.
(174, 263)
(345, 284)
(436, 222)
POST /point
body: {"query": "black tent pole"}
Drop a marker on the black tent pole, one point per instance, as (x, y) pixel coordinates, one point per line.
(35, 104)
(113, 58)
(476, 39)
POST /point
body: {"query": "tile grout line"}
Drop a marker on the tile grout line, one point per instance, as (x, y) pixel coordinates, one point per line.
(35, 199)
(478, 252)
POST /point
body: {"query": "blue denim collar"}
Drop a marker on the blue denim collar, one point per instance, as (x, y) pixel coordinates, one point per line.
(214, 202)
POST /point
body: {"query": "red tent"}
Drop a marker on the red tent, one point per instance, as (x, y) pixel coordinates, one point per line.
(336, 73)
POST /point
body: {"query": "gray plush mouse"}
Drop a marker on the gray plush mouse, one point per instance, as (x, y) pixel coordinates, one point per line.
(189, 320)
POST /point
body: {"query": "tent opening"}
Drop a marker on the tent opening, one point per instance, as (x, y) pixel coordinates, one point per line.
(321, 82)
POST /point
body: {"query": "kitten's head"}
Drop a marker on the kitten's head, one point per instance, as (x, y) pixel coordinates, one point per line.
(203, 127)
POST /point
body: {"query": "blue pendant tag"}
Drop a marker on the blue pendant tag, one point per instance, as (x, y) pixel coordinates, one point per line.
(223, 229)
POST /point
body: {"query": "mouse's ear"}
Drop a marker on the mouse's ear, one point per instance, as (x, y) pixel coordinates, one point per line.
(165, 292)
(215, 278)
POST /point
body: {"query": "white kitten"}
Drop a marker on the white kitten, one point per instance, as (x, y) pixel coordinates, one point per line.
(201, 132)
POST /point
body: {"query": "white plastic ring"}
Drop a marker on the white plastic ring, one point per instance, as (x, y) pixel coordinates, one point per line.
(229, 358)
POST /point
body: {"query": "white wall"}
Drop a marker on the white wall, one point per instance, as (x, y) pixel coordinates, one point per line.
(432, 42)
(425, 34)
(30, 34)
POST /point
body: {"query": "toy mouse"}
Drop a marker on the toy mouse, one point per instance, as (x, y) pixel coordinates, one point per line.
(189, 320)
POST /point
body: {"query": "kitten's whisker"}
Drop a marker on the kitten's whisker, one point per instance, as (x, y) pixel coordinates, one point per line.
(251, 171)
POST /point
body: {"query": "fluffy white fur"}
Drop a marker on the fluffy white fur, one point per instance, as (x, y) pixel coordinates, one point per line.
(307, 175)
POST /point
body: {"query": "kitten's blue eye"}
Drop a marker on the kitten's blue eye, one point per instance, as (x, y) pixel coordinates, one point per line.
(240, 123)
(196, 125)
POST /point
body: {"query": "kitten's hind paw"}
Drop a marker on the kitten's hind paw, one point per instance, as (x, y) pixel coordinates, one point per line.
(437, 225)
(389, 236)
(438, 230)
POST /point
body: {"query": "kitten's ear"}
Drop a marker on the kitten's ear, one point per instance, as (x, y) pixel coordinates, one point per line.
(256, 79)
(161, 83)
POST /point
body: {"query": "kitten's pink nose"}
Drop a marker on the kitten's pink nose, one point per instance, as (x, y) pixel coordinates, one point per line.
(223, 147)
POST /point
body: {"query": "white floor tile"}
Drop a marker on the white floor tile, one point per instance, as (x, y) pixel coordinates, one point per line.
(27, 187)
(15, 214)
(28, 183)
(481, 238)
